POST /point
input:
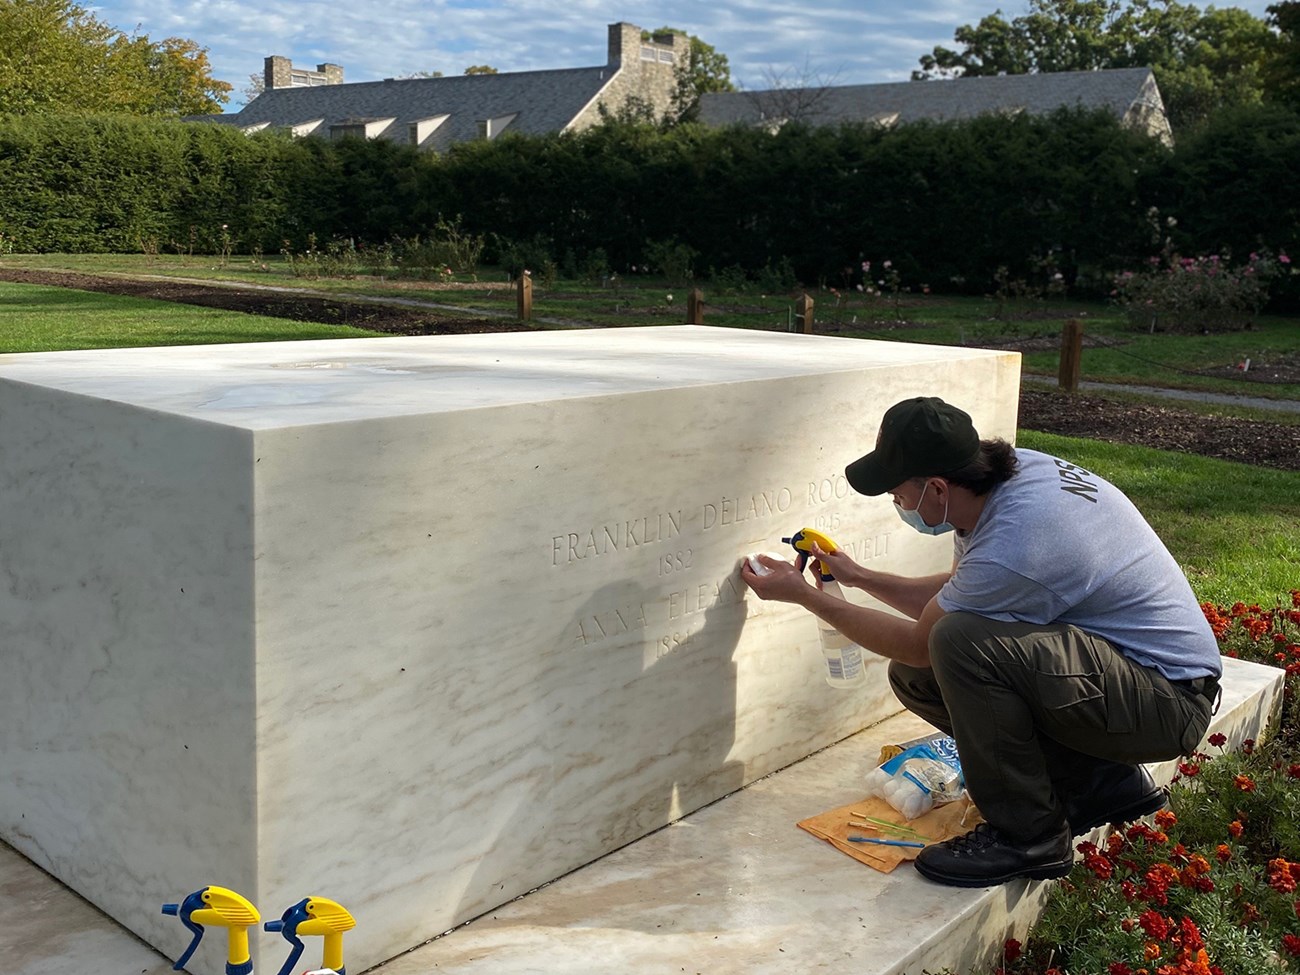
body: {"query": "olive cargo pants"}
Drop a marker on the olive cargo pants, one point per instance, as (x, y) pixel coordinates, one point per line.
(1036, 710)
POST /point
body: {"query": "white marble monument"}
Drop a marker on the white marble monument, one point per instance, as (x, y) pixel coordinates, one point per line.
(420, 624)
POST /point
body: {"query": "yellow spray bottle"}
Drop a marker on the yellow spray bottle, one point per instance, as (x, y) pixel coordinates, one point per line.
(314, 917)
(844, 668)
(222, 908)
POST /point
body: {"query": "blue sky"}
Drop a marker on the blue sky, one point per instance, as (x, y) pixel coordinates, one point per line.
(831, 42)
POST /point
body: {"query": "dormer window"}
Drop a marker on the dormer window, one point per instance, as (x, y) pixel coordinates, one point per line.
(421, 129)
(490, 128)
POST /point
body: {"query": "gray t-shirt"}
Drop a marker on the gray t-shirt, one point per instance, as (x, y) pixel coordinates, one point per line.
(1057, 543)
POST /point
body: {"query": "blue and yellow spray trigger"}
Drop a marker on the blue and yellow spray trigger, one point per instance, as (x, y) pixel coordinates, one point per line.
(222, 908)
(803, 541)
(314, 917)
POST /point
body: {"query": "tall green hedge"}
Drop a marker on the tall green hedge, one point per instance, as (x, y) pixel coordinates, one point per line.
(948, 203)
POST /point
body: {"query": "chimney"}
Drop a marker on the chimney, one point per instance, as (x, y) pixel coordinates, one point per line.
(333, 73)
(277, 73)
(624, 43)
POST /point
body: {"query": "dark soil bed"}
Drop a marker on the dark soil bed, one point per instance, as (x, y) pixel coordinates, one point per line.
(377, 317)
(1166, 428)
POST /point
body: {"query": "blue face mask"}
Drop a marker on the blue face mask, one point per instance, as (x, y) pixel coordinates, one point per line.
(912, 516)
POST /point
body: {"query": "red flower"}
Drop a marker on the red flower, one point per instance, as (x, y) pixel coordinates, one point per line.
(1119, 968)
(1218, 739)
(1223, 852)
(1099, 865)
(1294, 771)
(1191, 934)
(1189, 768)
(1011, 949)
(1247, 745)
(1155, 925)
(1244, 783)
(1291, 944)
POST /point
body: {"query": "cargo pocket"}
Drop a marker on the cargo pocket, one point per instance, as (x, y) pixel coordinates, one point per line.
(1084, 699)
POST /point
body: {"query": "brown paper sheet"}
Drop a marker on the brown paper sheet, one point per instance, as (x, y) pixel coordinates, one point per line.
(940, 823)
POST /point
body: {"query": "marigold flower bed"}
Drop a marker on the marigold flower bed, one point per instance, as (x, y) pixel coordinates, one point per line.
(1209, 887)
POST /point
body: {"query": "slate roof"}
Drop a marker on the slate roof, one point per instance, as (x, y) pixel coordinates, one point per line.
(545, 101)
(1114, 89)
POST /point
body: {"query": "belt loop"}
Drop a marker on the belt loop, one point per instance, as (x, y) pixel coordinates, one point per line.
(1218, 699)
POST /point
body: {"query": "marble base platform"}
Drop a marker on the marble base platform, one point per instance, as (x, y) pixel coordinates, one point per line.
(738, 889)
(420, 624)
(733, 888)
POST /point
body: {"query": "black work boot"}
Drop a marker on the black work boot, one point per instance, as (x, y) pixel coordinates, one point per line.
(985, 857)
(1112, 794)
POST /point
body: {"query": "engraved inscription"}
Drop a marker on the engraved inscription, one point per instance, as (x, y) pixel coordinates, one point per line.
(827, 489)
(620, 536)
(735, 511)
(866, 549)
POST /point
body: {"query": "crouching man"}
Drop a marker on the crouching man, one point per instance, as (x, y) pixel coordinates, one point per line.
(1064, 648)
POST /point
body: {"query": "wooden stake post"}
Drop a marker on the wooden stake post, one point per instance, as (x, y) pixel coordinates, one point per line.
(803, 314)
(524, 298)
(1071, 355)
(695, 307)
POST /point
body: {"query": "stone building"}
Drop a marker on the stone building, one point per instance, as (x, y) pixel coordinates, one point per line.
(1130, 93)
(436, 113)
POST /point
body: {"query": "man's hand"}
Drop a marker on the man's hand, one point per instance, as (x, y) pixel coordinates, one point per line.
(844, 569)
(782, 582)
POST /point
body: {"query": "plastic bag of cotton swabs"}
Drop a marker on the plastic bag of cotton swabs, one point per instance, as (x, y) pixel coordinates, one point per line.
(917, 780)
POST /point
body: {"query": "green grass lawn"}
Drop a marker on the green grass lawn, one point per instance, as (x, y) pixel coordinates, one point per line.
(1130, 356)
(40, 319)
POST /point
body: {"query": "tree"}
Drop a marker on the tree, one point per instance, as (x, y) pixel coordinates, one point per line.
(1282, 75)
(1202, 61)
(705, 70)
(792, 96)
(480, 69)
(55, 56)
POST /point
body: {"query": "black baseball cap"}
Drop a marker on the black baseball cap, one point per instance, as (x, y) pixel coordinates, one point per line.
(919, 437)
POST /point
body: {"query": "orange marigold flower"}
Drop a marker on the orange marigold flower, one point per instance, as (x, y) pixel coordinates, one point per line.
(1152, 951)
(1223, 852)
(1279, 876)
(1235, 828)
(1165, 818)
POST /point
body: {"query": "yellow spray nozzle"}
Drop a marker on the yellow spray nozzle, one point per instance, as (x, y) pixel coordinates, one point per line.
(226, 909)
(314, 917)
(326, 917)
(803, 541)
(222, 908)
